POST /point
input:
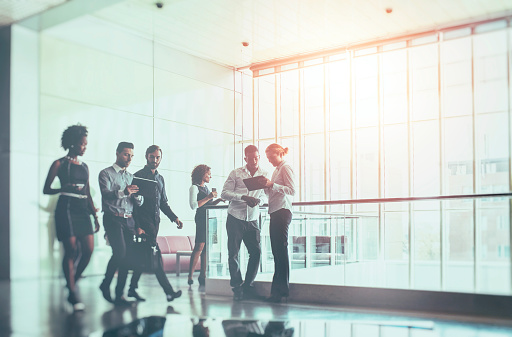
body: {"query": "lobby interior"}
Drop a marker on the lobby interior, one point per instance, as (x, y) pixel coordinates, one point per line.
(397, 114)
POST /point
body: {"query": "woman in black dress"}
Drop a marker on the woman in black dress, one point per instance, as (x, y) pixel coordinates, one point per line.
(74, 208)
(200, 196)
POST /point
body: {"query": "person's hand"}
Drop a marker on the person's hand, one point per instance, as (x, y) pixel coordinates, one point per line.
(179, 223)
(251, 201)
(212, 195)
(265, 181)
(131, 189)
(96, 225)
(140, 231)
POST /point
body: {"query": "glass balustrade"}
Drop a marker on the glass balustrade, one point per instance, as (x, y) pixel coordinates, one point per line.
(454, 244)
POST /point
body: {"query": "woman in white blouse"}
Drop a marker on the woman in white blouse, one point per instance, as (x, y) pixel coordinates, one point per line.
(279, 189)
(200, 196)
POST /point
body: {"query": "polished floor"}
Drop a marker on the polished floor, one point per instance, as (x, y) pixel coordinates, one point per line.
(39, 308)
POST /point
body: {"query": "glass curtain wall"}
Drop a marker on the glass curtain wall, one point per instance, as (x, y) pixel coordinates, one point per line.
(422, 117)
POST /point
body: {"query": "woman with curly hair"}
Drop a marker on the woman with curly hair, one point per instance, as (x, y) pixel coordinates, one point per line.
(200, 196)
(74, 208)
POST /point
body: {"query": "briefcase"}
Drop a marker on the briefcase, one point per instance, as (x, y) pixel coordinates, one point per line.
(143, 255)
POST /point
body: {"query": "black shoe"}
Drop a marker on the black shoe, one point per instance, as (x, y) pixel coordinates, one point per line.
(121, 301)
(133, 293)
(201, 281)
(190, 281)
(174, 295)
(238, 294)
(105, 291)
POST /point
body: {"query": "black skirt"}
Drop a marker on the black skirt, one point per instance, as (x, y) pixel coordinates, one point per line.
(72, 218)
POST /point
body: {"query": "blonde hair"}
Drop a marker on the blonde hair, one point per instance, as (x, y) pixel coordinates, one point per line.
(277, 149)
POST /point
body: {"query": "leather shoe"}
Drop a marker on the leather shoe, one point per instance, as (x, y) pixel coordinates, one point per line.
(174, 295)
(122, 301)
(133, 293)
(105, 291)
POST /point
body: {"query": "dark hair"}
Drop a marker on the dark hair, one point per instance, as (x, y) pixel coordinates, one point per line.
(72, 135)
(250, 149)
(124, 145)
(198, 173)
(153, 148)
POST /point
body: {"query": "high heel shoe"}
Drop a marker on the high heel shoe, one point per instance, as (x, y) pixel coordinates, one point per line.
(201, 281)
(75, 302)
(190, 281)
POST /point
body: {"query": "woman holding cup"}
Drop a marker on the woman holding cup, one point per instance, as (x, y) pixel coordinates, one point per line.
(199, 197)
(74, 208)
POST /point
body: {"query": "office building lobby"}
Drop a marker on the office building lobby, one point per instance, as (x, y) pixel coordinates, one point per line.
(397, 119)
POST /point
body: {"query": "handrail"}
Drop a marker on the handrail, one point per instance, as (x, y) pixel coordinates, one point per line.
(386, 200)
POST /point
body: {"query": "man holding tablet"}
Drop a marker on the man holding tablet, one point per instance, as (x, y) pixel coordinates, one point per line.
(243, 223)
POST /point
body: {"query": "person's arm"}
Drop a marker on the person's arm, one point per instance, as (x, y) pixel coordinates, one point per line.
(288, 187)
(93, 208)
(106, 188)
(192, 197)
(164, 205)
(52, 173)
(194, 203)
(228, 190)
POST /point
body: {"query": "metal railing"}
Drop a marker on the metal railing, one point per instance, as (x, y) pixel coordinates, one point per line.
(455, 243)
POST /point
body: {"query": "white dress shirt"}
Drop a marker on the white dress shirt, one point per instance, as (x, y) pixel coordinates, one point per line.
(233, 190)
(279, 195)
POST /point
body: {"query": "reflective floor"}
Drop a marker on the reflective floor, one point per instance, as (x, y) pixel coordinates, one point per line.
(39, 308)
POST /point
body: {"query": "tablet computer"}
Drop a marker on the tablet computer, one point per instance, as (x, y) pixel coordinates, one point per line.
(254, 183)
(147, 187)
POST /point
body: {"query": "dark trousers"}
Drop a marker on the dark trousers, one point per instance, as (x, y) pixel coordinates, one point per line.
(160, 276)
(279, 222)
(119, 232)
(249, 233)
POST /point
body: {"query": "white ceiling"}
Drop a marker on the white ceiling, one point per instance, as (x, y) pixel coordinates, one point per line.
(215, 29)
(15, 10)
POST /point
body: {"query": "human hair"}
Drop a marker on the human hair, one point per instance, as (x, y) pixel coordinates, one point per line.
(72, 135)
(198, 173)
(250, 149)
(152, 149)
(124, 145)
(277, 148)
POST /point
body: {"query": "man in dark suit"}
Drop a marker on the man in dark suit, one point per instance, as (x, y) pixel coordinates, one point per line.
(147, 218)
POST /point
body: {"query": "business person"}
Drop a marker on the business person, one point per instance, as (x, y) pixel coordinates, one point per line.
(118, 196)
(199, 197)
(74, 208)
(279, 189)
(242, 223)
(147, 220)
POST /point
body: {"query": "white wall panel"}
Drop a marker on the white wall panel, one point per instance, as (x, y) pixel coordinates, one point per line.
(107, 127)
(88, 31)
(185, 146)
(193, 67)
(86, 75)
(188, 101)
(24, 186)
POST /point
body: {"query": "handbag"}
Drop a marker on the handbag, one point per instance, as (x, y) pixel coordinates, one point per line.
(143, 255)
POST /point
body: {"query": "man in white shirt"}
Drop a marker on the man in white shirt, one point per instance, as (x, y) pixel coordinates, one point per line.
(243, 223)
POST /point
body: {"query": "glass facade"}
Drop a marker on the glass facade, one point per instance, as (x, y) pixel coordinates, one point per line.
(426, 116)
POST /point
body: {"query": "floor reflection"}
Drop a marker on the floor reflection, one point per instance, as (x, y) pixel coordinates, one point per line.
(39, 308)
